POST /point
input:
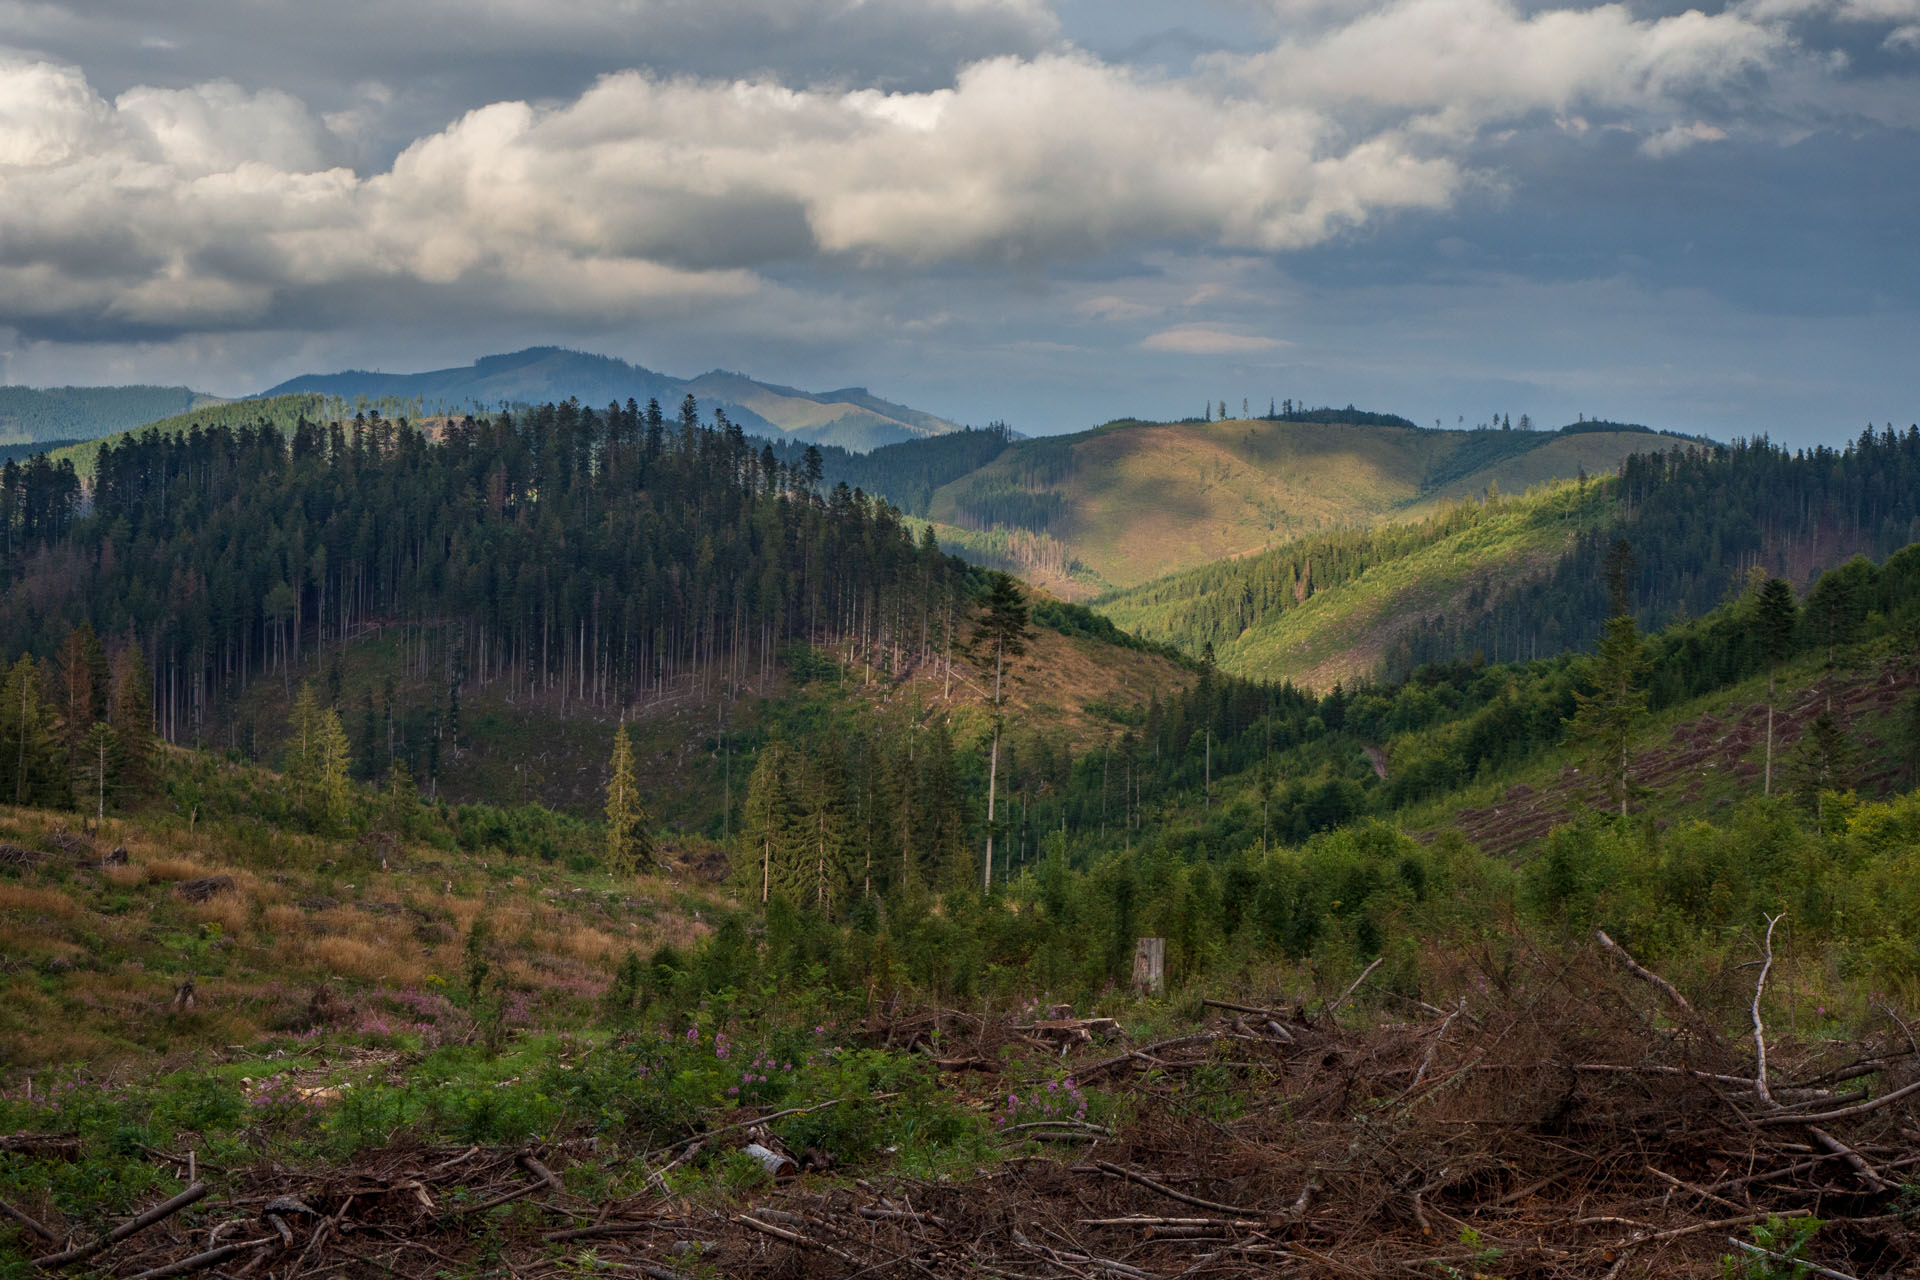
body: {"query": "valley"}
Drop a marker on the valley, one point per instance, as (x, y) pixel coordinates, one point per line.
(484, 831)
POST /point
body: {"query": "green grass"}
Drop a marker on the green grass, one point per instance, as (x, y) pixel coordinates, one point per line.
(1340, 632)
(1129, 502)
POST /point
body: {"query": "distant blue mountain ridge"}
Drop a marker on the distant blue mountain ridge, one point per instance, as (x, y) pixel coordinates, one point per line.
(852, 417)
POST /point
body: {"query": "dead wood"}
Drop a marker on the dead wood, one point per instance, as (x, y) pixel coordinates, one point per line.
(159, 1212)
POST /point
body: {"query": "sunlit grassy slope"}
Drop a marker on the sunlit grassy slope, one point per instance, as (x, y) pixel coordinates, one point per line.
(282, 411)
(1121, 505)
(1342, 631)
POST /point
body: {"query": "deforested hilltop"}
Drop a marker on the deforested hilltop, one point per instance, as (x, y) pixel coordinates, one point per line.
(1520, 577)
(1131, 501)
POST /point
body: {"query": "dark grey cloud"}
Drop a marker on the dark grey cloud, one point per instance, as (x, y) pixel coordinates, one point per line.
(1081, 209)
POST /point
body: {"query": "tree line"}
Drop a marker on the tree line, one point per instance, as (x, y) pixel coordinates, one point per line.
(589, 557)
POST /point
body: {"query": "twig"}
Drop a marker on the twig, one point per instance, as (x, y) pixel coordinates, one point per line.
(1178, 1042)
(1759, 1027)
(1844, 1112)
(1853, 1158)
(794, 1237)
(602, 1229)
(1328, 1012)
(1433, 1048)
(748, 1124)
(1795, 1264)
(1744, 1220)
(1659, 983)
(1114, 1170)
(545, 1179)
(119, 1233)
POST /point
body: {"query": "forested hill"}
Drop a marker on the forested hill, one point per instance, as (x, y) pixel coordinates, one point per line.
(1130, 501)
(1522, 577)
(605, 554)
(54, 415)
(852, 418)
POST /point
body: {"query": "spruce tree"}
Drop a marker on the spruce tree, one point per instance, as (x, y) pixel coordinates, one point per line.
(825, 836)
(300, 763)
(98, 765)
(767, 825)
(629, 847)
(335, 765)
(1000, 634)
(33, 763)
(1773, 620)
(130, 712)
(1607, 717)
(1824, 762)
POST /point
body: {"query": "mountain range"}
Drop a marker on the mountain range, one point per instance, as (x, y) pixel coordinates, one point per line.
(851, 417)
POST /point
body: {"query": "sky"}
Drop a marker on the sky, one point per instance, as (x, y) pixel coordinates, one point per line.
(1046, 212)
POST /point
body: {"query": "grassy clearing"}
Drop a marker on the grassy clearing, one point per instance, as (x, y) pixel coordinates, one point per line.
(1340, 633)
(1119, 506)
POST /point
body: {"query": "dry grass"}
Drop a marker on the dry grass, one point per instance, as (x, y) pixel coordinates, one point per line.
(30, 901)
(231, 912)
(588, 944)
(359, 958)
(129, 876)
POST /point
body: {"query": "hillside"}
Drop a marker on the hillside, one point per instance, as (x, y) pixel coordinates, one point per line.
(1123, 504)
(1334, 608)
(30, 415)
(280, 411)
(852, 418)
(1406, 941)
(1522, 577)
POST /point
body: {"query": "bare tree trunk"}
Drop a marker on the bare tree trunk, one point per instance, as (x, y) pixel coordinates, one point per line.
(993, 774)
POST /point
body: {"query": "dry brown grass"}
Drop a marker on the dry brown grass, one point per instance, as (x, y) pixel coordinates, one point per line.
(369, 960)
(587, 944)
(30, 901)
(128, 877)
(233, 913)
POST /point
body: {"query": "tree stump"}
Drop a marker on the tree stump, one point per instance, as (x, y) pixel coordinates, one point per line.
(1150, 967)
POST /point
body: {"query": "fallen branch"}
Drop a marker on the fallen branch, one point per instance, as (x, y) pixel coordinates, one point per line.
(1115, 1171)
(1159, 1046)
(29, 1223)
(544, 1179)
(201, 1261)
(1759, 1027)
(1795, 1265)
(1854, 1160)
(1659, 983)
(80, 1254)
(748, 1124)
(1843, 1113)
(1328, 1012)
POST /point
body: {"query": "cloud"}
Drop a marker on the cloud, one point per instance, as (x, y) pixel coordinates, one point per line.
(216, 206)
(1109, 307)
(147, 210)
(1205, 340)
(1679, 137)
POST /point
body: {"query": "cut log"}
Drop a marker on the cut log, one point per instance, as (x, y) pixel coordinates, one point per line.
(205, 888)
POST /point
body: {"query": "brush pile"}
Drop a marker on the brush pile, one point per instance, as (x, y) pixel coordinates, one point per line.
(1568, 1118)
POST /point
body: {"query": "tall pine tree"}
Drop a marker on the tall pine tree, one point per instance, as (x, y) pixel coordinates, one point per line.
(629, 846)
(999, 635)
